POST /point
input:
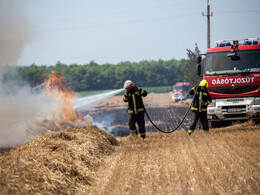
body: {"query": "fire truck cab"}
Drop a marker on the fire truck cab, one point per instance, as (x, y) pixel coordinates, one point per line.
(232, 70)
(180, 91)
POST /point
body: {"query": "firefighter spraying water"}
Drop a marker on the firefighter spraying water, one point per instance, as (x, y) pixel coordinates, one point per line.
(134, 96)
(136, 109)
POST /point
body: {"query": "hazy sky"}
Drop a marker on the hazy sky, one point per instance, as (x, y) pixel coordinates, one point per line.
(111, 31)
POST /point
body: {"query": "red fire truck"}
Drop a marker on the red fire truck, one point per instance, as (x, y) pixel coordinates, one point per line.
(232, 70)
(180, 91)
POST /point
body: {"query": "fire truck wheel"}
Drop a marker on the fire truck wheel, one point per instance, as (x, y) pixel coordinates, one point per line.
(257, 121)
(218, 124)
(215, 124)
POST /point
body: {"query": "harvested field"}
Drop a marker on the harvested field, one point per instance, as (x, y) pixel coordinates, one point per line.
(63, 162)
(224, 161)
(87, 160)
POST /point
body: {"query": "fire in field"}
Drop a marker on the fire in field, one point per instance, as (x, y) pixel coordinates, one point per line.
(49, 147)
(88, 160)
(55, 85)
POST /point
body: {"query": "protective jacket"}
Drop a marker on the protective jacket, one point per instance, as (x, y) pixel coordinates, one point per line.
(201, 101)
(134, 99)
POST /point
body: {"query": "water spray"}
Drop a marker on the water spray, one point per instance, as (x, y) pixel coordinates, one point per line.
(85, 103)
(92, 100)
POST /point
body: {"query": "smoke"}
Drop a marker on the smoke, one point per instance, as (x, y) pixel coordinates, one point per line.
(20, 114)
(14, 32)
(105, 122)
(21, 109)
(24, 113)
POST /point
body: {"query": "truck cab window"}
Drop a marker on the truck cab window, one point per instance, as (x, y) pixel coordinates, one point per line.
(217, 63)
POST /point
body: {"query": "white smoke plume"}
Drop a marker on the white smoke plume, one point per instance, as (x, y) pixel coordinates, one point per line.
(14, 32)
(20, 109)
(104, 122)
(24, 113)
(21, 113)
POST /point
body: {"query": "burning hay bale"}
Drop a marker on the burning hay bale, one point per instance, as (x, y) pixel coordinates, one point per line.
(61, 162)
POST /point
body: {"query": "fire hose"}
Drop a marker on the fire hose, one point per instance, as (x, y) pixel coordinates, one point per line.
(163, 131)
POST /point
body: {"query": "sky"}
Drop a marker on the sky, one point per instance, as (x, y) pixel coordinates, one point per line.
(112, 31)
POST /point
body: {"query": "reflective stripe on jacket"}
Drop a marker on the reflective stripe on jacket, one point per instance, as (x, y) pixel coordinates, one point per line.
(134, 99)
(201, 101)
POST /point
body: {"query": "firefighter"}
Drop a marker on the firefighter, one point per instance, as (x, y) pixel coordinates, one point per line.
(133, 96)
(199, 106)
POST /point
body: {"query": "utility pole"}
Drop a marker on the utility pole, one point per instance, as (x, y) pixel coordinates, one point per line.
(208, 21)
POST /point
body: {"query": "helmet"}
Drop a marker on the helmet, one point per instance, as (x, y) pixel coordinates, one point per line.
(129, 84)
(204, 83)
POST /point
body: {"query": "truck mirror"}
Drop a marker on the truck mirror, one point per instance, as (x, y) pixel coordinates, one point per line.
(233, 56)
(198, 69)
(198, 59)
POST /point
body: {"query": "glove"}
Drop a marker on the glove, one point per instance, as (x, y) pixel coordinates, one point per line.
(126, 98)
(204, 103)
(197, 88)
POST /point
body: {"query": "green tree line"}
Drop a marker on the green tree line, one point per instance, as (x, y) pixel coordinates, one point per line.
(92, 76)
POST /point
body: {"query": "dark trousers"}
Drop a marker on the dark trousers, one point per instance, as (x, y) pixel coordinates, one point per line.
(139, 118)
(203, 119)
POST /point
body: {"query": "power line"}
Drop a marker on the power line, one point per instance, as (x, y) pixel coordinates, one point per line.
(209, 14)
(231, 12)
(133, 22)
(124, 22)
(124, 12)
(129, 11)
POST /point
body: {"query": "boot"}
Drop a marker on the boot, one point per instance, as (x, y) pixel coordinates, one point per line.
(133, 135)
(134, 132)
(143, 135)
(190, 132)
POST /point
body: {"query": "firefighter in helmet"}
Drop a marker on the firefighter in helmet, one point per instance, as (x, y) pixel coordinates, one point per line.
(133, 96)
(199, 106)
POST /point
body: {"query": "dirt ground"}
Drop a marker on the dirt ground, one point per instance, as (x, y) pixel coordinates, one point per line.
(223, 161)
(86, 160)
(220, 162)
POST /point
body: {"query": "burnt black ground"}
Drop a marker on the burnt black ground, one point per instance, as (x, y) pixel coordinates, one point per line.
(166, 118)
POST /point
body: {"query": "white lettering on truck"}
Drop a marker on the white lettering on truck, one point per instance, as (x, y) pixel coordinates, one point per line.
(230, 81)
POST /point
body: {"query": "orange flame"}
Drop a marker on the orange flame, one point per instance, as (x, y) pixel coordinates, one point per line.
(56, 85)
